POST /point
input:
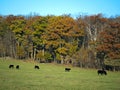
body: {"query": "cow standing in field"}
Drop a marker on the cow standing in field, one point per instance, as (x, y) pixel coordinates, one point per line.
(36, 67)
(67, 69)
(17, 67)
(11, 66)
(102, 72)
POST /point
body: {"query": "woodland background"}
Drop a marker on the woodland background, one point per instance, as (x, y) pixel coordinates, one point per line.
(86, 42)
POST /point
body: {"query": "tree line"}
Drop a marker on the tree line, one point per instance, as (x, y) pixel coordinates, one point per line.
(87, 41)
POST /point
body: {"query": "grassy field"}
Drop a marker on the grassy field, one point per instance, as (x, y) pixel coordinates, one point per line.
(53, 77)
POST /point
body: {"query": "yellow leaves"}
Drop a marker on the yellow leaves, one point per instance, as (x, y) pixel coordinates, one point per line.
(40, 55)
(53, 44)
(20, 51)
(64, 26)
(58, 56)
(62, 51)
(53, 36)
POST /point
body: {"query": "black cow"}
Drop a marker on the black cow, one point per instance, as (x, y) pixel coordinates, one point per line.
(17, 67)
(67, 69)
(36, 67)
(102, 72)
(11, 66)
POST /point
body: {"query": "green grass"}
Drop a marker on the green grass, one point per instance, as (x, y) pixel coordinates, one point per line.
(53, 77)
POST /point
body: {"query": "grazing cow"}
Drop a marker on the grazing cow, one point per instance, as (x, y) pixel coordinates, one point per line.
(11, 66)
(17, 67)
(36, 67)
(67, 69)
(102, 72)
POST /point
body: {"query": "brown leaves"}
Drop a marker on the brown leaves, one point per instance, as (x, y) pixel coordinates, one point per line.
(110, 40)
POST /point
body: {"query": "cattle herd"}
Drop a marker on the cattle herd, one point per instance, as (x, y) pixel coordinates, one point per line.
(11, 66)
(99, 72)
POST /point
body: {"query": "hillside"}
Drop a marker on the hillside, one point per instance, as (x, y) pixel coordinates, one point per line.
(53, 77)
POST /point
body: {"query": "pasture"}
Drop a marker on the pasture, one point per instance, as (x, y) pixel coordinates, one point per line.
(53, 77)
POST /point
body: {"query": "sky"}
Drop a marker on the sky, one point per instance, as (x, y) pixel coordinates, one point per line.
(60, 7)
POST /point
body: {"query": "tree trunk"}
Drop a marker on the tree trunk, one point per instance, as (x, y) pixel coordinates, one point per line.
(62, 60)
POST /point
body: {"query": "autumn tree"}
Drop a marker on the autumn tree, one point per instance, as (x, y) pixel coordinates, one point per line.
(39, 30)
(17, 27)
(7, 37)
(108, 49)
